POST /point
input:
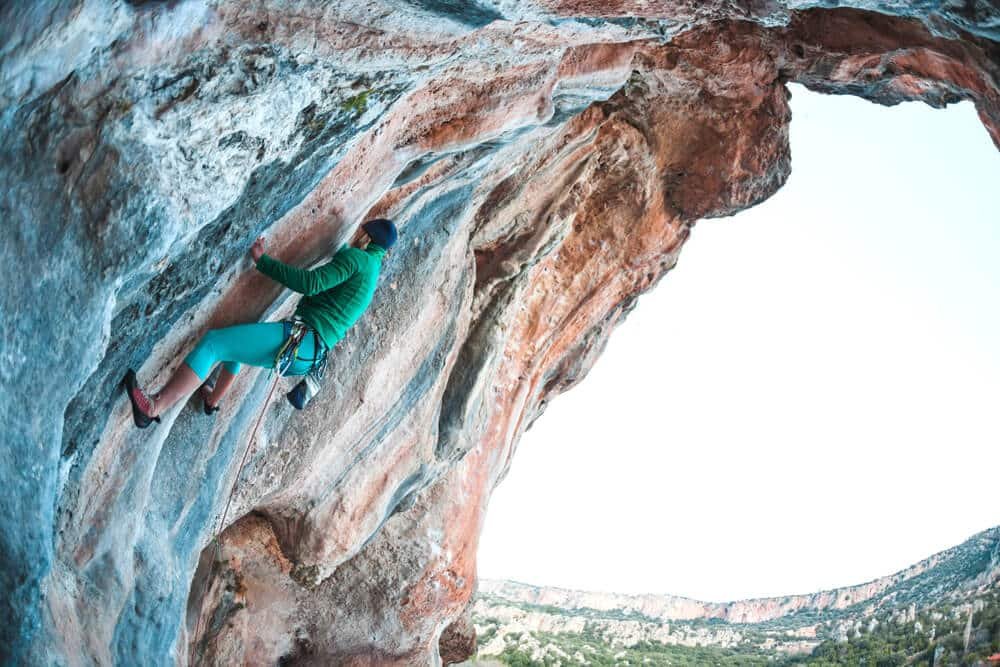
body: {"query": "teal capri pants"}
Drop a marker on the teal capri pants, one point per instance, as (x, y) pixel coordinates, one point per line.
(256, 344)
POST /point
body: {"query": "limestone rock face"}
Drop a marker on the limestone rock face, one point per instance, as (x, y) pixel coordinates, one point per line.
(544, 161)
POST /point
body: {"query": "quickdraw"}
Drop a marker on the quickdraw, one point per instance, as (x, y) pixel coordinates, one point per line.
(289, 350)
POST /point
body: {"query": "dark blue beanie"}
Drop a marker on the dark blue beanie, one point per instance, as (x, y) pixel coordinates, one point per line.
(381, 231)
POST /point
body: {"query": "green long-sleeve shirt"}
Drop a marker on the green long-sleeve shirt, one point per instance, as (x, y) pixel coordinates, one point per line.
(335, 294)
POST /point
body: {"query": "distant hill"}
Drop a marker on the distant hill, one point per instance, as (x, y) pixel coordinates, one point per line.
(944, 610)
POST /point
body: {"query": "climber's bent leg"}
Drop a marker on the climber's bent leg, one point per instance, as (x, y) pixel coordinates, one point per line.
(255, 344)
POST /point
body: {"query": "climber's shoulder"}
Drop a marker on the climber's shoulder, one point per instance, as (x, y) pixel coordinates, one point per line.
(351, 255)
(360, 259)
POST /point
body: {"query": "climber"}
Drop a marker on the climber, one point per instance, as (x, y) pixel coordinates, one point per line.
(335, 296)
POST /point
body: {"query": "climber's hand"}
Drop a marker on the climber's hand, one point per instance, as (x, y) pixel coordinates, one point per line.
(257, 249)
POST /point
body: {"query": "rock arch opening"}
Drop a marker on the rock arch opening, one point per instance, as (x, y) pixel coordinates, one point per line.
(800, 411)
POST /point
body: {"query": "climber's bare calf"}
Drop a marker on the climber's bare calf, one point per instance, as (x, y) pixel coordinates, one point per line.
(182, 383)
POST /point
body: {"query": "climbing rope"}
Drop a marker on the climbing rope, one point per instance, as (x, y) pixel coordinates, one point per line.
(283, 361)
(229, 501)
(243, 462)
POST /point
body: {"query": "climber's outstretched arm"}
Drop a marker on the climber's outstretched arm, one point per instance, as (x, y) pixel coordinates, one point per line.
(305, 281)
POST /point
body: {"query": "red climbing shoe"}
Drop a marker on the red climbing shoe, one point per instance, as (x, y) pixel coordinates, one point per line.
(141, 405)
(206, 391)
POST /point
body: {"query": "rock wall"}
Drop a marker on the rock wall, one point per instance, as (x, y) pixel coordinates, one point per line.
(544, 161)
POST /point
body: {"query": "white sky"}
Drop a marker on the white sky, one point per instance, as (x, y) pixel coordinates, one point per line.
(810, 399)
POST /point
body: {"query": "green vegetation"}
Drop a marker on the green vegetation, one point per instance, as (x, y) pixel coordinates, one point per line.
(891, 644)
(576, 612)
(488, 634)
(597, 651)
(357, 103)
(938, 630)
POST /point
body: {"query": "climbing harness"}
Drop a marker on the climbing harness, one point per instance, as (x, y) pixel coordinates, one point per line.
(295, 331)
(303, 392)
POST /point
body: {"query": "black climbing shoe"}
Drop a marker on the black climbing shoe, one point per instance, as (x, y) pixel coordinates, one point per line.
(207, 389)
(141, 405)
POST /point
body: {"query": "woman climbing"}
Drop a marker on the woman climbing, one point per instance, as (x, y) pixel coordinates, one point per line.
(335, 296)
